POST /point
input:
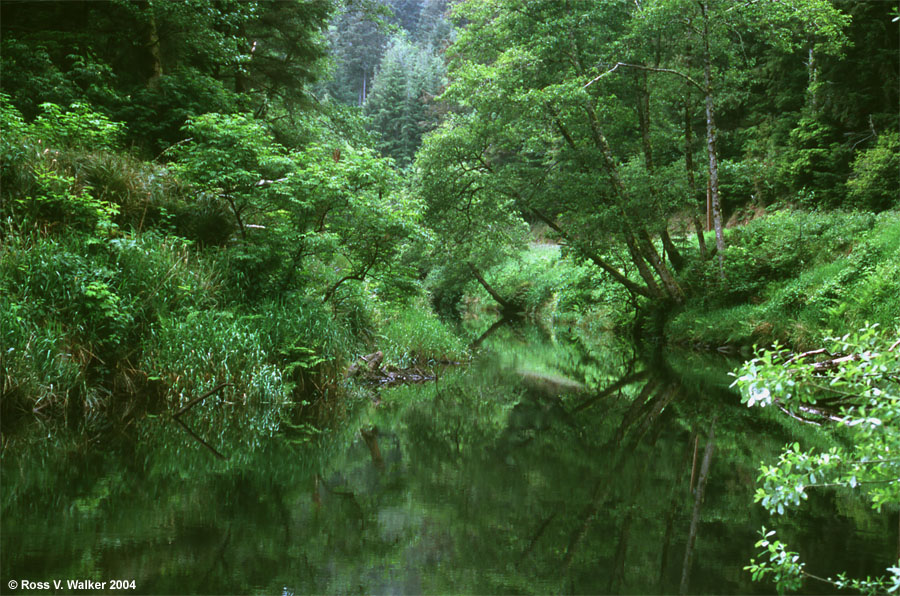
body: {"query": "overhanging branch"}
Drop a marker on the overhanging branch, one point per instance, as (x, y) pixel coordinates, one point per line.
(649, 68)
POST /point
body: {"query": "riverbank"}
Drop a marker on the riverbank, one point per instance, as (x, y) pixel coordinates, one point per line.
(795, 278)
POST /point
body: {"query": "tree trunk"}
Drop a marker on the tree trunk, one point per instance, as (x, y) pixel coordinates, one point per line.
(638, 252)
(507, 306)
(644, 271)
(813, 85)
(695, 514)
(649, 252)
(715, 199)
(674, 255)
(689, 168)
(643, 111)
(597, 260)
(154, 56)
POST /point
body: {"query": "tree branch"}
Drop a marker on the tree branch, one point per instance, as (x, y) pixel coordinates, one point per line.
(649, 68)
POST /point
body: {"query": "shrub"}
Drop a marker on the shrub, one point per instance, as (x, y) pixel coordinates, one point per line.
(79, 126)
(847, 282)
(875, 180)
(775, 248)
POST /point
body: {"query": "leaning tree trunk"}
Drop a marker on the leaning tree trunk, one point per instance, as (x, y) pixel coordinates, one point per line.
(633, 238)
(507, 306)
(647, 292)
(643, 111)
(668, 280)
(689, 169)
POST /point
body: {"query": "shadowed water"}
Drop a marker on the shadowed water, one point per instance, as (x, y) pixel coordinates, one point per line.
(551, 464)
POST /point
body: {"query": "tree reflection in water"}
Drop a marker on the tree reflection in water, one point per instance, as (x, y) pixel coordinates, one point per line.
(553, 463)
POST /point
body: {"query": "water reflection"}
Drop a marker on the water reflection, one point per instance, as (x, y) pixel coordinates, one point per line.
(554, 463)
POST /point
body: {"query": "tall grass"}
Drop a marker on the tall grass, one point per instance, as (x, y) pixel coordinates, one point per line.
(195, 353)
(413, 335)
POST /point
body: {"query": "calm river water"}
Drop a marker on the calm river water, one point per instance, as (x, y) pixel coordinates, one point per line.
(551, 464)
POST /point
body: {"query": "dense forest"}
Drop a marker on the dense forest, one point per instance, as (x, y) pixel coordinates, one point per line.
(255, 211)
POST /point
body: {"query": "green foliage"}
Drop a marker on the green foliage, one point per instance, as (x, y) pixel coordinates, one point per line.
(156, 64)
(783, 565)
(776, 247)
(552, 287)
(55, 198)
(194, 353)
(876, 175)
(79, 126)
(233, 158)
(77, 309)
(853, 383)
(816, 164)
(838, 272)
(476, 222)
(340, 206)
(62, 169)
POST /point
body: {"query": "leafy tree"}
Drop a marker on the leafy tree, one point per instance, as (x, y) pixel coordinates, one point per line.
(433, 29)
(545, 139)
(337, 207)
(362, 219)
(852, 381)
(155, 64)
(283, 45)
(358, 41)
(233, 158)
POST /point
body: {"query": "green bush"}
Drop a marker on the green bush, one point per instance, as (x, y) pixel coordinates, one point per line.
(79, 126)
(875, 182)
(775, 248)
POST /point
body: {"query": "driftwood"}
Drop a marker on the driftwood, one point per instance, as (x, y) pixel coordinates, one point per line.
(199, 439)
(368, 369)
(831, 363)
(197, 400)
(366, 364)
(395, 376)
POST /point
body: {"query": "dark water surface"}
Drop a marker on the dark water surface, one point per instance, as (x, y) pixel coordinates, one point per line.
(550, 464)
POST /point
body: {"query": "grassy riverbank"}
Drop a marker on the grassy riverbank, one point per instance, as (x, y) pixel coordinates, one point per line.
(795, 277)
(126, 290)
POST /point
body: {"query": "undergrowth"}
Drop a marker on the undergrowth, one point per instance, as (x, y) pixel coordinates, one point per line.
(794, 277)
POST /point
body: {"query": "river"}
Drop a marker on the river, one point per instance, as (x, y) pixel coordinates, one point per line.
(553, 463)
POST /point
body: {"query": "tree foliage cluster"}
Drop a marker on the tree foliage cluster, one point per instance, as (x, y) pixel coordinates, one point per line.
(261, 206)
(387, 59)
(853, 380)
(611, 122)
(153, 64)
